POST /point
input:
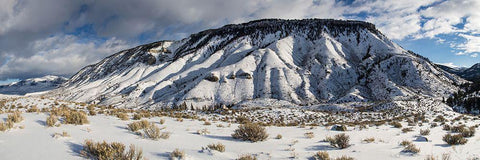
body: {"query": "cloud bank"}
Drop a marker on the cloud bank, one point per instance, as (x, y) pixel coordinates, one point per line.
(60, 37)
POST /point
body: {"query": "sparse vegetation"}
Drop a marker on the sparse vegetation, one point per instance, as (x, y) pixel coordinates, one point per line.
(321, 155)
(309, 135)
(218, 147)
(51, 120)
(203, 131)
(247, 157)
(250, 132)
(424, 132)
(123, 116)
(76, 118)
(135, 126)
(457, 139)
(177, 153)
(396, 124)
(15, 117)
(406, 130)
(110, 151)
(279, 136)
(340, 141)
(369, 140)
(411, 148)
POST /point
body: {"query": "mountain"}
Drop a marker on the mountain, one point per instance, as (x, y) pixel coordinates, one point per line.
(32, 85)
(471, 74)
(264, 62)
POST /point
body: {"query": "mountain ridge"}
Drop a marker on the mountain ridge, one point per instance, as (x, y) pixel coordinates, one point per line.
(301, 62)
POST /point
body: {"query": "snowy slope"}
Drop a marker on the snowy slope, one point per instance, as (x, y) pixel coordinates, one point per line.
(32, 85)
(471, 74)
(299, 62)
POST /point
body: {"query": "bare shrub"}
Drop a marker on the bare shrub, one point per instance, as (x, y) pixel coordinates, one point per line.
(15, 117)
(424, 132)
(76, 118)
(177, 153)
(247, 157)
(123, 116)
(411, 148)
(457, 139)
(250, 132)
(344, 158)
(135, 126)
(279, 136)
(339, 141)
(368, 140)
(396, 124)
(405, 143)
(406, 130)
(309, 135)
(162, 121)
(203, 131)
(51, 120)
(152, 131)
(108, 151)
(218, 147)
(321, 155)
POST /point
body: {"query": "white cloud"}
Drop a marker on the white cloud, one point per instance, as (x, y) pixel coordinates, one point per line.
(449, 64)
(59, 55)
(474, 55)
(472, 44)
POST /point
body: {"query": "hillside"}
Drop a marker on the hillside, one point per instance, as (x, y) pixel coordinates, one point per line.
(32, 85)
(269, 62)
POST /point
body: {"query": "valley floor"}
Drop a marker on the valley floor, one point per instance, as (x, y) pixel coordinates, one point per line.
(32, 139)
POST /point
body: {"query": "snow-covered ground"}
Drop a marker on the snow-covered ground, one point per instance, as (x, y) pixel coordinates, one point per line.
(36, 141)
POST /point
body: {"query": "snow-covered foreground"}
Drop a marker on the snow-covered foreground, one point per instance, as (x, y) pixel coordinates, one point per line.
(36, 141)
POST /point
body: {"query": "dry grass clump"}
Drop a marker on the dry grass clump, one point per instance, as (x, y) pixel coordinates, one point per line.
(178, 154)
(340, 141)
(405, 143)
(396, 124)
(424, 132)
(51, 120)
(250, 132)
(218, 147)
(207, 123)
(457, 139)
(162, 121)
(153, 132)
(321, 155)
(63, 134)
(123, 116)
(110, 151)
(411, 148)
(406, 130)
(203, 131)
(135, 126)
(309, 135)
(15, 117)
(6, 125)
(344, 158)
(369, 140)
(76, 118)
(247, 157)
(33, 109)
(279, 136)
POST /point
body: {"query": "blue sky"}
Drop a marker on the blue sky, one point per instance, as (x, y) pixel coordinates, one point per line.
(39, 38)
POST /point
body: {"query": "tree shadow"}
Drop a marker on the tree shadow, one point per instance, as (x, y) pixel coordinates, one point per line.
(442, 145)
(163, 155)
(225, 138)
(75, 148)
(43, 123)
(320, 147)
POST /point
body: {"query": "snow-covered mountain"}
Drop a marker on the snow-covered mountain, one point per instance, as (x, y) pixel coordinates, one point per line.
(471, 74)
(32, 85)
(299, 62)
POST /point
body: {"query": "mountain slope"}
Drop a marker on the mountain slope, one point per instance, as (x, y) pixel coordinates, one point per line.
(471, 74)
(299, 62)
(32, 85)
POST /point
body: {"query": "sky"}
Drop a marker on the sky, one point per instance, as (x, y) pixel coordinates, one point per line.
(59, 37)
